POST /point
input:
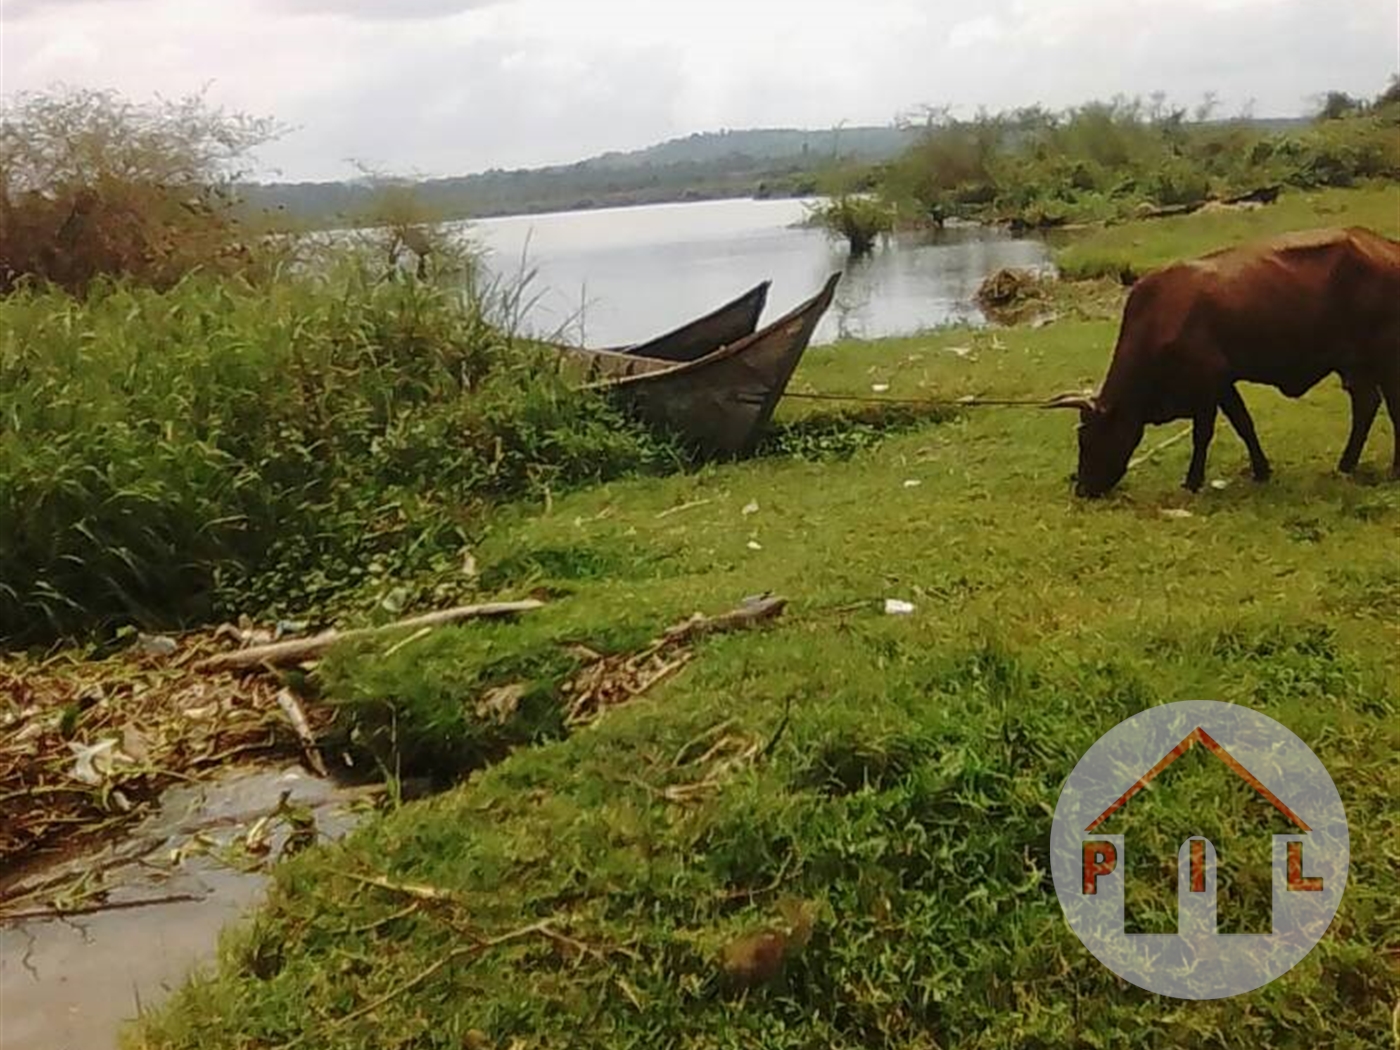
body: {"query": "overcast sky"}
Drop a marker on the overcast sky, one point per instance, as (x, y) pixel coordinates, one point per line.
(450, 86)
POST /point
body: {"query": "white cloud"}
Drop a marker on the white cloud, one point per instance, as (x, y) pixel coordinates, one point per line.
(446, 86)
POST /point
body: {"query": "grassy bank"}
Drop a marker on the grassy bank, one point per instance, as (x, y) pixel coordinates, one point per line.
(1131, 249)
(873, 791)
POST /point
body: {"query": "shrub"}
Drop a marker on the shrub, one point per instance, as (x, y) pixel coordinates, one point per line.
(859, 219)
(92, 185)
(1105, 160)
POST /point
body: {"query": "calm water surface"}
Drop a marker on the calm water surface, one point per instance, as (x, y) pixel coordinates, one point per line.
(622, 275)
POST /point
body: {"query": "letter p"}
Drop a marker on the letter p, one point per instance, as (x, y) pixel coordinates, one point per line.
(1100, 858)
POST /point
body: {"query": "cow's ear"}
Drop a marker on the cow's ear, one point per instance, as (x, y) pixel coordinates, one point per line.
(1078, 399)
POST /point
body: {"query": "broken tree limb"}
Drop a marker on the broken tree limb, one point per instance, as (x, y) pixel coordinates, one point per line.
(609, 681)
(746, 615)
(284, 654)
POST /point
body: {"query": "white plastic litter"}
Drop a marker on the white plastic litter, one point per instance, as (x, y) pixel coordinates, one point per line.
(156, 644)
(897, 607)
(93, 762)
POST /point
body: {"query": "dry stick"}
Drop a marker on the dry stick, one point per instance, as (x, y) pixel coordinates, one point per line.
(736, 619)
(287, 701)
(421, 891)
(684, 506)
(1137, 461)
(283, 654)
(417, 635)
(94, 909)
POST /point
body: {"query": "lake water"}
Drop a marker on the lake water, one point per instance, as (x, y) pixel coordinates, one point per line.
(623, 275)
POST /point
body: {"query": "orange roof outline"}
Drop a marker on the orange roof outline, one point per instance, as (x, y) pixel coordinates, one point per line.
(1199, 735)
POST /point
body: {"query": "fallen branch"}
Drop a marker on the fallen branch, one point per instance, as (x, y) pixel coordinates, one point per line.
(609, 681)
(416, 890)
(745, 616)
(684, 506)
(95, 909)
(285, 654)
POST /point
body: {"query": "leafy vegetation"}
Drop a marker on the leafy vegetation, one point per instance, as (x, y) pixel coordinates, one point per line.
(867, 795)
(220, 448)
(1113, 160)
(858, 219)
(94, 185)
(200, 425)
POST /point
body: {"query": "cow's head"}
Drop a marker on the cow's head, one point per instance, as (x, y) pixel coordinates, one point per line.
(1107, 439)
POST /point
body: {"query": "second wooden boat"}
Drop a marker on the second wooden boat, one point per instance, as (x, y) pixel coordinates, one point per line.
(726, 324)
(721, 402)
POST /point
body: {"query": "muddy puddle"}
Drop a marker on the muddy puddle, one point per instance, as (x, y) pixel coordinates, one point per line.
(174, 881)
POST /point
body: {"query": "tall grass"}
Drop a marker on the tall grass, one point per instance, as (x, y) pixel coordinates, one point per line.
(219, 447)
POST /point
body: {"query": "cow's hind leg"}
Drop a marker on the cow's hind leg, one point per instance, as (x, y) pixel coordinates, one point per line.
(1365, 400)
(1390, 388)
(1202, 430)
(1238, 415)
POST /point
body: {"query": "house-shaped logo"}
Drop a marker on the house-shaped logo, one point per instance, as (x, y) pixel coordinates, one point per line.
(1305, 848)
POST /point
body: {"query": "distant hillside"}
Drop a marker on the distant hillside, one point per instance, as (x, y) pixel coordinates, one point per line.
(764, 162)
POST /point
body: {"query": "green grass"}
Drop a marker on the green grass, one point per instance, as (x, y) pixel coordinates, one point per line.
(915, 761)
(1135, 248)
(221, 448)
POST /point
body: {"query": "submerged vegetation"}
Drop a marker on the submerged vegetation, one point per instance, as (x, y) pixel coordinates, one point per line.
(859, 219)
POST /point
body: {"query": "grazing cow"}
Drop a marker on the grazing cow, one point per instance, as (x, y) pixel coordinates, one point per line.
(1285, 312)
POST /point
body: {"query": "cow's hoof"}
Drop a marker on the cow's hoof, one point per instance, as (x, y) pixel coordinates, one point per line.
(1263, 473)
(1347, 466)
(1193, 484)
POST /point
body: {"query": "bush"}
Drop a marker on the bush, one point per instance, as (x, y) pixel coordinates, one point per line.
(92, 185)
(1106, 160)
(168, 456)
(859, 219)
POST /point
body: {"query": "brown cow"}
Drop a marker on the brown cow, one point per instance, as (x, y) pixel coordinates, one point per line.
(1286, 312)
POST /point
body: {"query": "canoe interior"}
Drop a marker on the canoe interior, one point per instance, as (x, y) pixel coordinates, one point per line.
(726, 324)
(719, 403)
(730, 323)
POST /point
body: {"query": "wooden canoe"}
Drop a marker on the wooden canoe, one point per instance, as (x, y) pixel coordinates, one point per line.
(726, 324)
(720, 402)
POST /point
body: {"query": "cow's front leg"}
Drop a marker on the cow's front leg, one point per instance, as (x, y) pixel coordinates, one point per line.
(1365, 400)
(1202, 430)
(1238, 415)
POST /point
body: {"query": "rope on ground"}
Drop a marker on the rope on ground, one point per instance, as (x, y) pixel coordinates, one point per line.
(970, 401)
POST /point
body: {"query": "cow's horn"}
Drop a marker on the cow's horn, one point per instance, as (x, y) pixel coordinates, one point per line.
(1077, 399)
